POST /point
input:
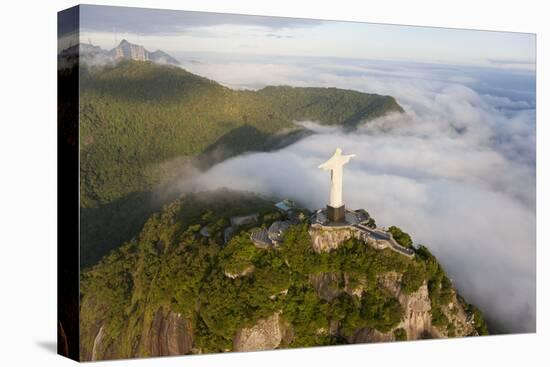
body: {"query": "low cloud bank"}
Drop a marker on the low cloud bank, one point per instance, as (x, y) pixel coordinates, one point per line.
(456, 171)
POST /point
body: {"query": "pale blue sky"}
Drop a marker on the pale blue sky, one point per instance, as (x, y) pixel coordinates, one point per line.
(180, 31)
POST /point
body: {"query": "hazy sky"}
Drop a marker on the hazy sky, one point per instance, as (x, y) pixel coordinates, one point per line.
(181, 31)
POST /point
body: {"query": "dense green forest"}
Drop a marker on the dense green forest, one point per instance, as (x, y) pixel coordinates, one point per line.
(170, 265)
(140, 121)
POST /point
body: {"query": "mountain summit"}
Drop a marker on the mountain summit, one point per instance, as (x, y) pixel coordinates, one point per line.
(201, 278)
(129, 51)
(95, 55)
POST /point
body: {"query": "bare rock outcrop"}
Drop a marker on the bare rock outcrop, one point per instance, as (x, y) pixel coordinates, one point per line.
(417, 317)
(391, 281)
(417, 320)
(170, 334)
(97, 343)
(266, 334)
(249, 269)
(327, 239)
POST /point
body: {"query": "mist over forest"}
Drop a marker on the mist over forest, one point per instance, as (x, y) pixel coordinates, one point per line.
(457, 170)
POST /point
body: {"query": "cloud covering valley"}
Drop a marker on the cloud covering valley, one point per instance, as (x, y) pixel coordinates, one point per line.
(456, 171)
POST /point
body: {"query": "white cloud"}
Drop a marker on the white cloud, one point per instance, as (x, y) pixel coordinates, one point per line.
(456, 171)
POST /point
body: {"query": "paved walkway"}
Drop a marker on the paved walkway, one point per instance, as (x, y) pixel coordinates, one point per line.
(385, 236)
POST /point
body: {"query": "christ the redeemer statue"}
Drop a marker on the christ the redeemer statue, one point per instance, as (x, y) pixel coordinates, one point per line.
(335, 208)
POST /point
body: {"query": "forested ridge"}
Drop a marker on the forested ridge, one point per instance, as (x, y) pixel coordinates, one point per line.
(171, 266)
(137, 114)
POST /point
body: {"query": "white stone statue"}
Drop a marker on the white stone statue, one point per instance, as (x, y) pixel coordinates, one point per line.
(335, 164)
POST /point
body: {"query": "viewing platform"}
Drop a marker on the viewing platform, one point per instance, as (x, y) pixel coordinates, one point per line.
(328, 235)
(352, 217)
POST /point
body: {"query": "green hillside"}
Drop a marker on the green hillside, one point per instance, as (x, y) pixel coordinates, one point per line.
(171, 267)
(138, 114)
(139, 121)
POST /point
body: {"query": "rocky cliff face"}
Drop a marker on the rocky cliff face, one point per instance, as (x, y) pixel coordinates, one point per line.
(326, 239)
(417, 315)
(418, 318)
(169, 335)
(416, 306)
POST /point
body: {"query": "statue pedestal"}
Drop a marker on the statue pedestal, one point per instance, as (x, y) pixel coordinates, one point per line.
(336, 214)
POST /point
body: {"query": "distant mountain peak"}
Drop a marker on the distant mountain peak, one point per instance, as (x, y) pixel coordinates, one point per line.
(125, 50)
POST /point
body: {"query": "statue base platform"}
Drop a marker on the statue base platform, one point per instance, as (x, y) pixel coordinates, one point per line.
(336, 215)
